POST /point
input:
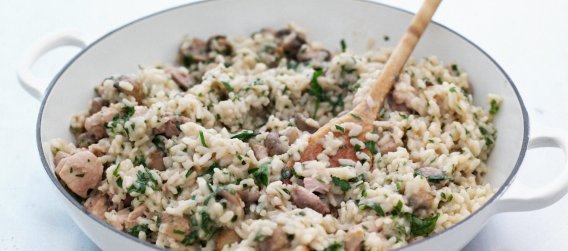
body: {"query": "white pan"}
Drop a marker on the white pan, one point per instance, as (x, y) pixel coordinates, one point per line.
(154, 39)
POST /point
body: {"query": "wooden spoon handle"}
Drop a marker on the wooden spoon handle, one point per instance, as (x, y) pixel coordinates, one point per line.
(397, 59)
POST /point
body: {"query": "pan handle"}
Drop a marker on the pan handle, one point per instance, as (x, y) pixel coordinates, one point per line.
(528, 199)
(34, 85)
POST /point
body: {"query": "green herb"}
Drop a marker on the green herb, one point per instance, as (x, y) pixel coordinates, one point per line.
(135, 231)
(143, 179)
(227, 86)
(245, 135)
(453, 89)
(139, 160)
(119, 182)
(402, 115)
(159, 142)
(202, 138)
(128, 112)
(81, 175)
(439, 80)
(259, 237)
(423, 227)
(447, 198)
(386, 38)
(357, 147)
(398, 208)
(482, 130)
(375, 207)
(340, 128)
(316, 90)
(488, 141)
(455, 69)
(211, 168)
(71, 170)
(371, 145)
(261, 175)
(494, 107)
(188, 60)
(189, 172)
(207, 224)
(337, 106)
(356, 116)
(335, 246)
(177, 231)
(343, 45)
(433, 178)
(190, 238)
(342, 184)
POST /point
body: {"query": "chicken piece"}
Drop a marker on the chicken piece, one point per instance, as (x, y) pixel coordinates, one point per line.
(249, 196)
(273, 144)
(301, 123)
(97, 104)
(290, 42)
(97, 205)
(277, 241)
(354, 238)
(81, 172)
(226, 237)
(260, 151)
(182, 79)
(303, 198)
(176, 227)
(156, 160)
(314, 185)
(131, 220)
(95, 124)
(171, 128)
(220, 44)
(59, 156)
(99, 149)
(192, 51)
(292, 133)
(235, 203)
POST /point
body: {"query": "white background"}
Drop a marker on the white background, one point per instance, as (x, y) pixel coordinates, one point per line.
(528, 38)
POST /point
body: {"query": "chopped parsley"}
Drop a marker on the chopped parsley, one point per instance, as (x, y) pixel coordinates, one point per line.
(453, 89)
(227, 86)
(286, 174)
(343, 45)
(375, 207)
(139, 160)
(371, 145)
(446, 197)
(398, 208)
(423, 227)
(316, 90)
(494, 107)
(356, 116)
(190, 238)
(455, 69)
(340, 128)
(135, 231)
(245, 135)
(335, 246)
(143, 179)
(436, 178)
(202, 138)
(261, 175)
(342, 184)
(180, 232)
(159, 142)
(80, 175)
(189, 172)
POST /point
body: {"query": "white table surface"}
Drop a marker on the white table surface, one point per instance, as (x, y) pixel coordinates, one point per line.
(528, 38)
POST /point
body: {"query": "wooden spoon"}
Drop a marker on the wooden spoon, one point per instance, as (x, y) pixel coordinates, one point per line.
(366, 111)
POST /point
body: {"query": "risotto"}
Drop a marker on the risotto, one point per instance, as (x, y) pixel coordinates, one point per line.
(205, 153)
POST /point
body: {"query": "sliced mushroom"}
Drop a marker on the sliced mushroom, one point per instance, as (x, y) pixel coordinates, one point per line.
(97, 205)
(422, 199)
(131, 87)
(193, 51)
(260, 151)
(314, 185)
(176, 227)
(171, 128)
(273, 144)
(301, 123)
(291, 42)
(220, 44)
(95, 124)
(81, 172)
(319, 55)
(303, 198)
(292, 133)
(277, 241)
(249, 196)
(97, 104)
(156, 160)
(354, 238)
(226, 237)
(182, 79)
